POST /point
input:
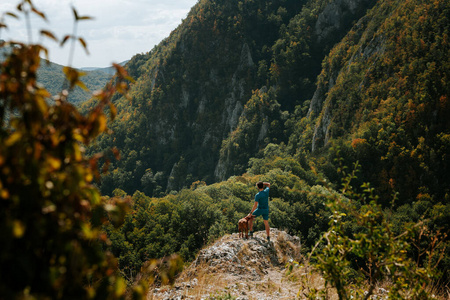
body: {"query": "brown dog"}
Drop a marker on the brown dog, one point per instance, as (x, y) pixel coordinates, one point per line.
(243, 226)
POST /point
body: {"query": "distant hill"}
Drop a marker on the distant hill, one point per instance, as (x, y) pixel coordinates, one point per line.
(108, 70)
(52, 77)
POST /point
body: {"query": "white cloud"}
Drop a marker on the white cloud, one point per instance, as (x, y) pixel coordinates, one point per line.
(119, 29)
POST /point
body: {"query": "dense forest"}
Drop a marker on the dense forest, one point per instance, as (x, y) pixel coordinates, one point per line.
(194, 119)
(342, 105)
(295, 92)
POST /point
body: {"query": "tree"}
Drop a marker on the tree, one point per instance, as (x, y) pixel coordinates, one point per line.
(361, 246)
(50, 212)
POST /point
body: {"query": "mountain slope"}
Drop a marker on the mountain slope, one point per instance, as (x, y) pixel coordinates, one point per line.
(295, 64)
(215, 92)
(190, 91)
(383, 96)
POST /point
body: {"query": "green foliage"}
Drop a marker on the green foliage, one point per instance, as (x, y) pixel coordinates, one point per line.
(252, 132)
(361, 245)
(51, 213)
(386, 100)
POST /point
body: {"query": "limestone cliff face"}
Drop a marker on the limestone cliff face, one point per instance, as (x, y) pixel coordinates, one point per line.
(208, 131)
(191, 91)
(337, 15)
(331, 20)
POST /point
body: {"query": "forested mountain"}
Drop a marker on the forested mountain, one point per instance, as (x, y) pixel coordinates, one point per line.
(369, 76)
(219, 89)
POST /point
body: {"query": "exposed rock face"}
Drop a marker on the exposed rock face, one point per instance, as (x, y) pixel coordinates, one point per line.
(329, 22)
(336, 15)
(321, 131)
(247, 269)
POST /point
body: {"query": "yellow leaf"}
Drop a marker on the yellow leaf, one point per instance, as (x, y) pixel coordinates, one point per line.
(18, 228)
(12, 15)
(12, 139)
(120, 287)
(64, 40)
(82, 85)
(101, 123)
(95, 199)
(87, 231)
(113, 111)
(77, 136)
(89, 177)
(54, 163)
(42, 105)
(75, 13)
(39, 13)
(49, 35)
(77, 153)
(4, 194)
(83, 43)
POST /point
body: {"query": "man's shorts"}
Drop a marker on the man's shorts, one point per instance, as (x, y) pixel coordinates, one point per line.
(262, 212)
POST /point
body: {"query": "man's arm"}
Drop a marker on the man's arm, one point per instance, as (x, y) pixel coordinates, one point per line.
(266, 184)
(255, 205)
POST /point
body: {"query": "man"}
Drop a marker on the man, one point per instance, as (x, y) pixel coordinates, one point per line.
(261, 207)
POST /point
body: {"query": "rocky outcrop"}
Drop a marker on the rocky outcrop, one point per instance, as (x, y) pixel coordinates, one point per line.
(337, 15)
(245, 269)
(330, 21)
(235, 268)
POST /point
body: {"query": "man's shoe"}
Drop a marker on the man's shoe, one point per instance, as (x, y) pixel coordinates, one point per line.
(268, 239)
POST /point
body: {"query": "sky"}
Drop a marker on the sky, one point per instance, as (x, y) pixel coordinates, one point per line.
(119, 28)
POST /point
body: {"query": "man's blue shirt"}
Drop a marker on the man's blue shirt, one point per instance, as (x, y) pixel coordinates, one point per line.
(263, 199)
